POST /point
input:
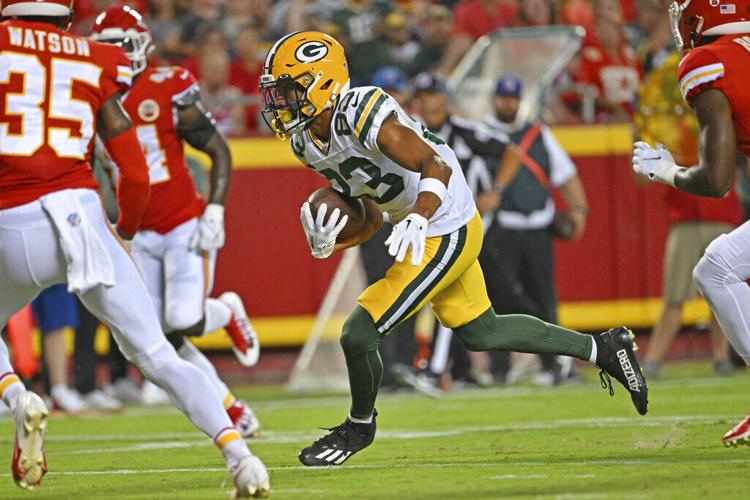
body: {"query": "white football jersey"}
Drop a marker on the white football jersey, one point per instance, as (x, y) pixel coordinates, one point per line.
(355, 166)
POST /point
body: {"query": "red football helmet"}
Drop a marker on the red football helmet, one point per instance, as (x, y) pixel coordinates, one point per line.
(124, 27)
(692, 19)
(52, 8)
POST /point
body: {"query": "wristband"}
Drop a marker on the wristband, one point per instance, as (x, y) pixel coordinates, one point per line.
(667, 174)
(214, 209)
(434, 186)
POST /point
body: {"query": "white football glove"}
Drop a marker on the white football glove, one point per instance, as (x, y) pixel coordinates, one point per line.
(657, 164)
(210, 233)
(410, 232)
(321, 236)
(251, 479)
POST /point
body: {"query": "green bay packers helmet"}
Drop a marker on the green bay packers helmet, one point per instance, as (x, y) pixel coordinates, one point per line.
(303, 75)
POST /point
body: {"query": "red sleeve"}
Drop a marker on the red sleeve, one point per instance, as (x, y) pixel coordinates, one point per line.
(133, 188)
(117, 74)
(183, 82)
(699, 70)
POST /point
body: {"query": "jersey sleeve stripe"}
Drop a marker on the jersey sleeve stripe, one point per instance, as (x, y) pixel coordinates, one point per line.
(363, 104)
(193, 88)
(362, 134)
(364, 115)
(699, 76)
(124, 75)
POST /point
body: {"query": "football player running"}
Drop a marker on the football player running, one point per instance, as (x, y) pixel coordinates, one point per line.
(368, 147)
(712, 77)
(179, 235)
(59, 90)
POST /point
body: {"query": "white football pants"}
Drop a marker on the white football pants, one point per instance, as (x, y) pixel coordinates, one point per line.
(720, 276)
(178, 279)
(31, 260)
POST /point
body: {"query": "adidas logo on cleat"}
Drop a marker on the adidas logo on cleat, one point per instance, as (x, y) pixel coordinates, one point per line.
(627, 368)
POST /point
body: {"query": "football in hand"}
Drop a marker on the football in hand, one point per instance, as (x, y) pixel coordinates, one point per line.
(352, 207)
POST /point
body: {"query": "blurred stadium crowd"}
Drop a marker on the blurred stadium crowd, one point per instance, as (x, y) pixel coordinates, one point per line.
(224, 42)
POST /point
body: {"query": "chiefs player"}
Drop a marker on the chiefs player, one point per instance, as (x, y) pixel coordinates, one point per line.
(175, 247)
(712, 78)
(59, 90)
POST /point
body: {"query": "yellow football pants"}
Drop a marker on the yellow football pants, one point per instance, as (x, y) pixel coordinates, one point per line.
(449, 278)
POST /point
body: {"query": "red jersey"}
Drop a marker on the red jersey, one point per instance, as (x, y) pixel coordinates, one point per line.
(151, 105)
(616, 79)
(722, 64)
(52, 85)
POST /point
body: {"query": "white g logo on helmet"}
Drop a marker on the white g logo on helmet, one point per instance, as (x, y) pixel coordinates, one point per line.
(311, 51)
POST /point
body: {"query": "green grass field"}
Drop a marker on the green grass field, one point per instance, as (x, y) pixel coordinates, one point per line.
(569, 442)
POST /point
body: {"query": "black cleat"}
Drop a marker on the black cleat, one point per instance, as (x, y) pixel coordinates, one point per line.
(339, 445)
(616, 357)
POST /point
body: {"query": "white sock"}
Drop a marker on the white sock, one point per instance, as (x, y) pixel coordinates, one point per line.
(367, 420)
(592, 356)
(234, 451)
(12, 388)
(195, 357)
(217, 314)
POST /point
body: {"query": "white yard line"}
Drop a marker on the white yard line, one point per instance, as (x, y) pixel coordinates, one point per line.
(450, 465)
(275, 437)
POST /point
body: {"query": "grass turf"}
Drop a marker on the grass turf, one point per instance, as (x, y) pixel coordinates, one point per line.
(568, 442)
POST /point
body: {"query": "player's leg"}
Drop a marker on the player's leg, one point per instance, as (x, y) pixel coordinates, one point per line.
(720, 276)
(404, 290)
(126, 308)
(464, 306)
(187, 280)
(29, 261)
(147, 250)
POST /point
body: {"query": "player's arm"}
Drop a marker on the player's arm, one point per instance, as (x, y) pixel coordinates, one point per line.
(373, 222)
(196, 127)
(133, 188)
(714, 174)
(402, 145)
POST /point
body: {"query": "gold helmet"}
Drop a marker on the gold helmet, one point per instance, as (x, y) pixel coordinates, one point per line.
(303, 75)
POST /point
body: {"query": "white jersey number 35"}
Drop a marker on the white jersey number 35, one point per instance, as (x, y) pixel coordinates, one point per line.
(29, 105)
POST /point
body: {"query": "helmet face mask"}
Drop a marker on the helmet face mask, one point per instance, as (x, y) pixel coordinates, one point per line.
(137, 46)
(284, 100)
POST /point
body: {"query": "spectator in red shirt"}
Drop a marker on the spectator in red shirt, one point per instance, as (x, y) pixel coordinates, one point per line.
(473, 19)
(245, 71)
(613, 69)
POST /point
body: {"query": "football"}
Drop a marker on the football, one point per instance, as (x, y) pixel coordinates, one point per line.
(352, 207)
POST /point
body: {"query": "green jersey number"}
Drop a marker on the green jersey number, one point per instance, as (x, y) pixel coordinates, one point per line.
(394, 183)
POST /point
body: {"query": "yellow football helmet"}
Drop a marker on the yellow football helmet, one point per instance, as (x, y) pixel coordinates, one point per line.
(303, 75)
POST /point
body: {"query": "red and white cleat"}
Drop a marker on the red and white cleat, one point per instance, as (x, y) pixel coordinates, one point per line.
(740, 435)
(243, 419)
(29, 463)
(246, 346)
